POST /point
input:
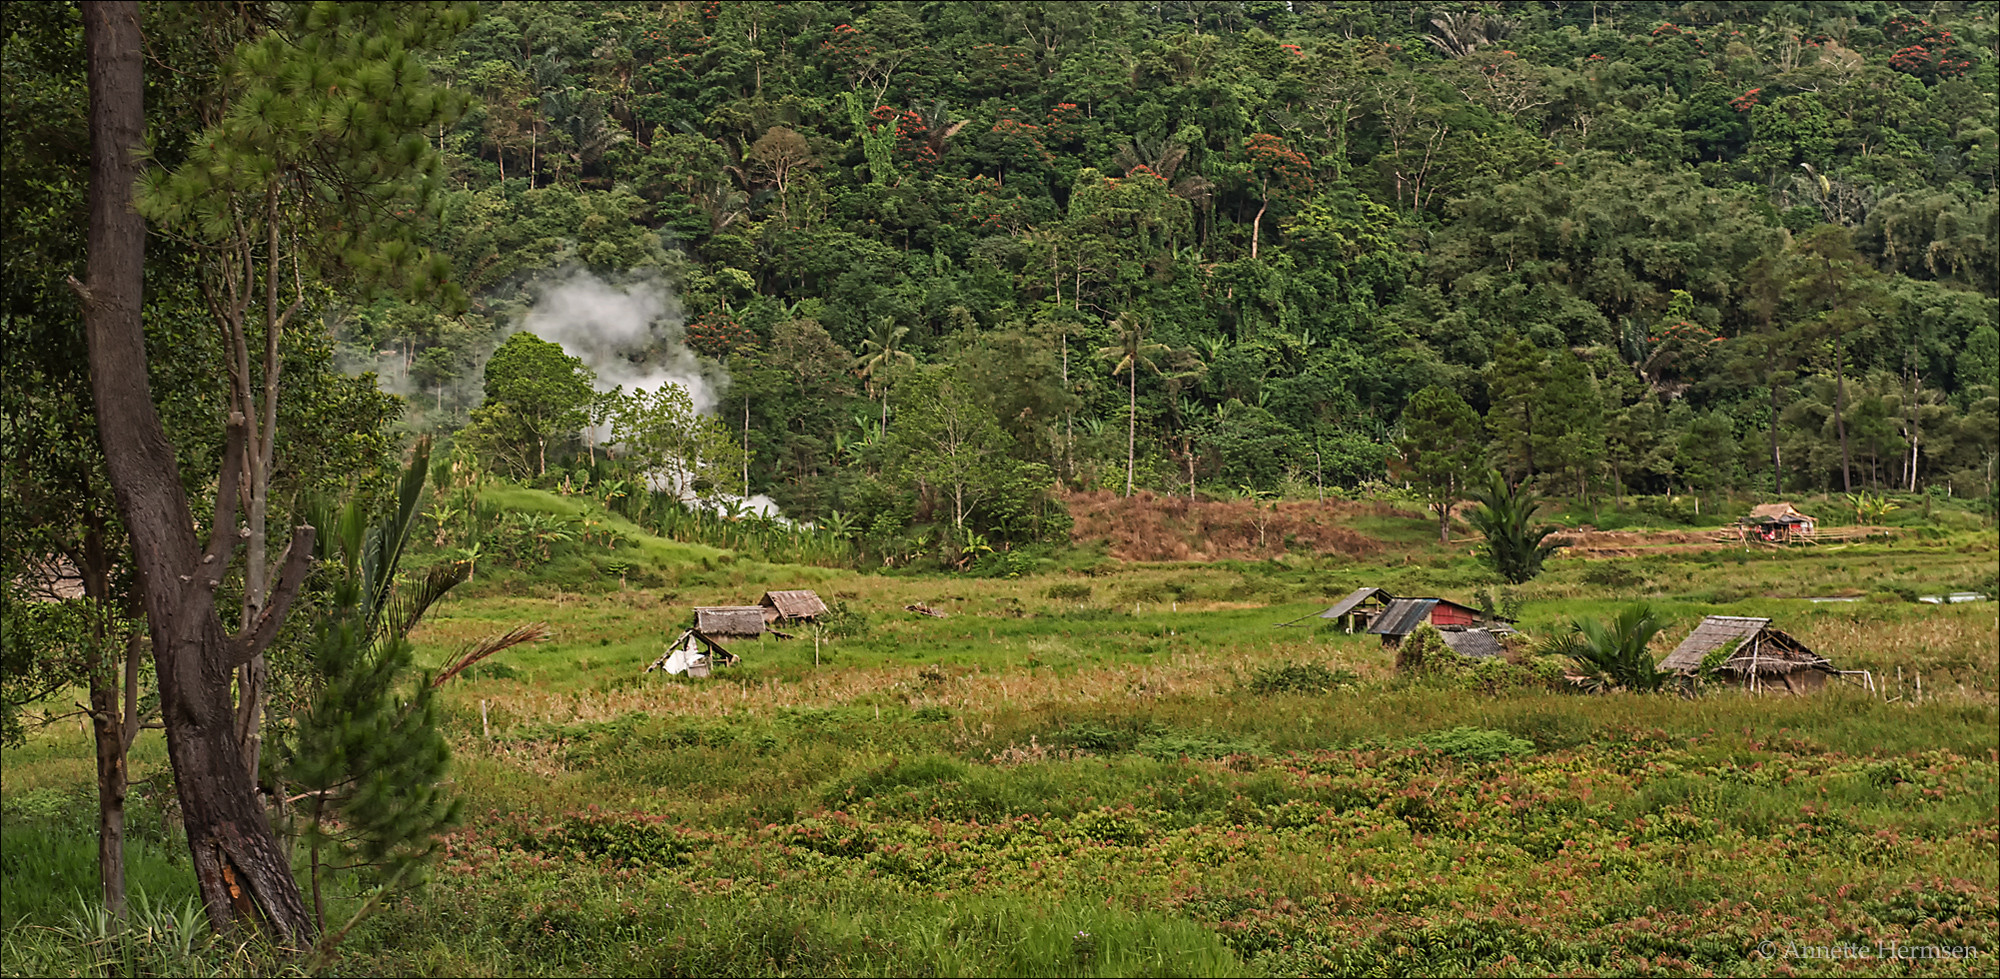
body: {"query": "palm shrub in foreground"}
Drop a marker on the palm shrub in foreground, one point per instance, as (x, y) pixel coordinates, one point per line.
(1615, 653)
(1513, 549)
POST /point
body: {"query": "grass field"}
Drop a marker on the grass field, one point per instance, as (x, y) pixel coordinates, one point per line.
(1126, 768)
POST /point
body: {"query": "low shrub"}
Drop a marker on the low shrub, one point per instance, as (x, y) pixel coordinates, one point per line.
(1300, 678)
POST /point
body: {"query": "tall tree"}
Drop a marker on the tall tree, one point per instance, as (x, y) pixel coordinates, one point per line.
(314, 165)
(240, 869)
(1514, 383)
(535, 392)
(1441, 445)
(1836, 296)
(1569, 425)
(881, 354)
(1130, 354)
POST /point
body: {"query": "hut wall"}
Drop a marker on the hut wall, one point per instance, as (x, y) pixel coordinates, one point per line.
(1443, 614)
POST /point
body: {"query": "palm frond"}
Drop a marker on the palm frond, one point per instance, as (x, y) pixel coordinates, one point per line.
(409, 606)
(481, 649)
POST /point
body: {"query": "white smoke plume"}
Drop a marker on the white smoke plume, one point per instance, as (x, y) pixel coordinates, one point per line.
(632, 334)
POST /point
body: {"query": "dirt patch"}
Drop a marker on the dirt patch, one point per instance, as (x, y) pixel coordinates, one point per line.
(1631, 543)
(1148, 527)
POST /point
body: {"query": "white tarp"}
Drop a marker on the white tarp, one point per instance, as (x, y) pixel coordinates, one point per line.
(685, 659)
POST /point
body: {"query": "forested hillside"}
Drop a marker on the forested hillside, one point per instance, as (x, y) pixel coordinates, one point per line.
(938, 259)
(1657, 245)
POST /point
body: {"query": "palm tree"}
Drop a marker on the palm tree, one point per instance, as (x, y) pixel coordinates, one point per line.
(1513, 549)
(879, 357)
(1131, 353)
(1615, 654)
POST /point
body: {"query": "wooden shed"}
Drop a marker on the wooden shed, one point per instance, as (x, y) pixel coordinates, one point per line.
(1778, 523)
(1355, 611)
(730, 621)
(1404, 615)
(1756, 655)
(792, 606)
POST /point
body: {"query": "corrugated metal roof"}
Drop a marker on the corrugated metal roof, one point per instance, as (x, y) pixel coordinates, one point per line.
(1402, 617)
(800, 604)
(730, 620)
(1475, 643)
(1354, 600)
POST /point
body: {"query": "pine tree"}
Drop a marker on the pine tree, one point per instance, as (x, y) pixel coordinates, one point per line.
(1514, 382)
(1568, 429)
(1441, 445)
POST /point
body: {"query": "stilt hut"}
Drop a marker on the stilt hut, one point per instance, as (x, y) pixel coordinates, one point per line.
(791, 606)
(697, 651)
(1778, 523)
(1755, 655)
(1353, 612)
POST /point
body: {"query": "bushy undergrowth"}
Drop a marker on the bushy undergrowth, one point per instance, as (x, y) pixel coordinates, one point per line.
(1676, 852)
(1051, 781)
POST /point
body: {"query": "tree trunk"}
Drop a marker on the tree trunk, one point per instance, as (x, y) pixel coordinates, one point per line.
(1840, 414)
(107, 714)
(1131, 423)
(1916, 391)
(1256, 224)
(239, 867)
(1777, 467)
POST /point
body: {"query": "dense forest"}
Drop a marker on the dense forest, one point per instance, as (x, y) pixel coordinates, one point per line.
(1658, 246)
(925, 264)
(566, 303)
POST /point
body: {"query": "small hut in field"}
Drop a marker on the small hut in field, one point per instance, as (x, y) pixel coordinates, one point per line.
(1353, 612)
(1404, 615)
(1778, 523)
(697, 651)
(1756, 656)
(730, 621)
(791, 606)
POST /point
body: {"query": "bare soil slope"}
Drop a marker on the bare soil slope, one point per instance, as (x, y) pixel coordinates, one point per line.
(1149, 527)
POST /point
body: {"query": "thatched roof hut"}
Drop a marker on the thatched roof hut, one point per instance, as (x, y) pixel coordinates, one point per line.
(1778, 522)
(1756, 655)
(730, 621)
(792, 606)
(1777, 513)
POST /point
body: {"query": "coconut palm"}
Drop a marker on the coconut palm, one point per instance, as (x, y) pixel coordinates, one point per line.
(880, 357)
(1131, 353)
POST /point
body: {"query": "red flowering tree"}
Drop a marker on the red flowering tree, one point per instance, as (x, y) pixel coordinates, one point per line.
(716, 333)
(1927, 52)
(1276, 170)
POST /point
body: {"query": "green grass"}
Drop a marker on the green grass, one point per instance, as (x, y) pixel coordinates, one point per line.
(1128, 769)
